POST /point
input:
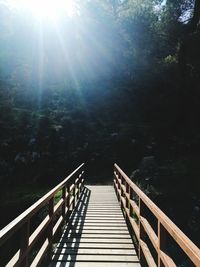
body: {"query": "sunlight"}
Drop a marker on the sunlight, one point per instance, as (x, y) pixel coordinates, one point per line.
(46, 8)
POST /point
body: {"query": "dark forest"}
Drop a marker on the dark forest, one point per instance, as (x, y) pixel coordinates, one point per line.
(110, 81)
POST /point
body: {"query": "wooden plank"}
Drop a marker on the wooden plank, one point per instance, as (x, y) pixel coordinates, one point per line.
(116, 246)
(12, 227)
(107, 236)
(40, 254)
(99, 228)
(96, 264)
(103, 207)
(98, 231)
(95, 258)
(95, 251)
(100, 221)
(98, 234)
(113, 212)
(191, 250)
(150, 232)
(98, 224)
(97, 214)
(98, 217)
(167, 261)
(149, 258)
(57, 225)
(97, 240)
(58, 205)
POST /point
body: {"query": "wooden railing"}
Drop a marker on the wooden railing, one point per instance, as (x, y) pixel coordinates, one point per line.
(56, 213)
(136, 205)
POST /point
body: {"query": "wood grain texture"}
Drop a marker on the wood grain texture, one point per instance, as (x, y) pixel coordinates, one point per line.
(96, 234)
(128, 193)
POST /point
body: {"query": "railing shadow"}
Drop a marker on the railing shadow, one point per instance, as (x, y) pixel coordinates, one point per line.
(67, 248)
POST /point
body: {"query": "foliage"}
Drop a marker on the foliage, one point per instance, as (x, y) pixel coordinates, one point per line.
(117, 83)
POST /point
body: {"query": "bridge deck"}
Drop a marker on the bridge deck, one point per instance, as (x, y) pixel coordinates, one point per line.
(96, 234)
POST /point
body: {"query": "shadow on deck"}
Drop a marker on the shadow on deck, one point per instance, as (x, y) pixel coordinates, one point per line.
(68, 246)
(96, 234)
(92, 222)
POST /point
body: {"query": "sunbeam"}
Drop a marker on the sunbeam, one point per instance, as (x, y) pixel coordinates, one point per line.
(50, 9)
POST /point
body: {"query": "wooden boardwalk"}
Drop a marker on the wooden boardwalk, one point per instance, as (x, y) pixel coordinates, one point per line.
(83, 226)
(96, 234)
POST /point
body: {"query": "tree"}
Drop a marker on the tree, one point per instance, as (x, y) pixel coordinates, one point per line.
(193, 24)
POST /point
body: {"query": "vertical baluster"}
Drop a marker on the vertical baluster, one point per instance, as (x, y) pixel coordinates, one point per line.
(126, 200)
(50, 227)
(64, 203)
(82, 180)
(78, 186)
(117, 186)
(114, 180)
(74, 195)
(24, 242)
(131, 209)
(162, 242)
(131, 198)
(128, 196)
(141, 231)
(81, 183)
(121, 191)
(68, 201)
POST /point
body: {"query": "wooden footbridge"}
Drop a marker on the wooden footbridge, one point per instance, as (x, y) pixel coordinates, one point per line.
(100, 226)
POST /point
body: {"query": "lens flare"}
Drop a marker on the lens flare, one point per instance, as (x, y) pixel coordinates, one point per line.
(46, 8)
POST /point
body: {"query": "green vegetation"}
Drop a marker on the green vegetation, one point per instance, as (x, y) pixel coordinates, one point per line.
(118, 82)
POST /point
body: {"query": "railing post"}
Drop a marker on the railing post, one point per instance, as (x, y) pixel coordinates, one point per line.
(68, 201)
(79, 185)
(64, 203)
(121, 190)
(141, 231)
(127, 197)
(161, 242)
(114, 179)
(74, 195)
(82, 179)
(24, 242)
(50, 227)
(131, 198)
(117, 185)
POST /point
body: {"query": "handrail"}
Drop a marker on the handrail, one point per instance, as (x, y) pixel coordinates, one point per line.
(125, 189)
(71, 187)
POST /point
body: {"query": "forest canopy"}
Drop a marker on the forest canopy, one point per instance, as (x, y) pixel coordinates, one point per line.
(101, 81)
